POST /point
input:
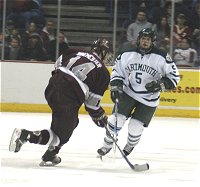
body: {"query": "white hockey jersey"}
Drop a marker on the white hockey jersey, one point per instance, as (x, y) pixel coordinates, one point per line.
(136, 70)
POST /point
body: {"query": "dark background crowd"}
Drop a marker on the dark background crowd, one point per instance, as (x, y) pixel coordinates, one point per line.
(29, 35)
(32, 36)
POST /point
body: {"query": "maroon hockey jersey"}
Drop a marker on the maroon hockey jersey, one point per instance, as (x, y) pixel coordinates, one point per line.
(89, 71)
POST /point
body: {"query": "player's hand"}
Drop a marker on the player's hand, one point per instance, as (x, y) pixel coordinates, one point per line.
(99, 116)
(155, 86)
(101, 121)
(115, 92)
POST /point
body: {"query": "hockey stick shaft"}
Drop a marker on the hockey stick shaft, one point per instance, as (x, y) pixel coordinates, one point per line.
(135, 167)
(116, 111)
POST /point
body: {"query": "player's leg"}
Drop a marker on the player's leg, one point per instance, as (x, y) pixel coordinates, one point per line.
(50, 157)
(63, 126)
(64, 120)
(125, 106)
(108, 142)
(65, 106)
(135, 129)
(42, 137)
(141, 118)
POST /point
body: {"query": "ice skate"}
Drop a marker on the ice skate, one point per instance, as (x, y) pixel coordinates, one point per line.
(103, 151)
(19, 137)
(50, 157)
(127, 149)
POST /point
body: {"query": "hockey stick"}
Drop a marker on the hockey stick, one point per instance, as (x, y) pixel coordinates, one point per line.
(115, 135)
(135, 167)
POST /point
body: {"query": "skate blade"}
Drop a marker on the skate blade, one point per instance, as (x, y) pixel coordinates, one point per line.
(16, 134)
(100, 156)
(47, 164)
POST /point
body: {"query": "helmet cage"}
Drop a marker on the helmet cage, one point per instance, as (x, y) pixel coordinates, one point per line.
(103, 48)
(148, 32)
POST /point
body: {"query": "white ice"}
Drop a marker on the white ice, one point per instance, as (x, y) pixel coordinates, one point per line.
(171, 146)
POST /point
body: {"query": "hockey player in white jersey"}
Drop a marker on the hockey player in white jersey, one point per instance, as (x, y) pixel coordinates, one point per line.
(138, 77)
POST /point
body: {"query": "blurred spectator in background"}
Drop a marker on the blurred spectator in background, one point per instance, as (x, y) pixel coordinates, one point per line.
(8, 28)
(195, 21)
(11, 32)
(48, 33)
(167, 11)
(15, 34)
(196, 28)
(133, 6)
(134, 28)
(1, 43)
(35, 49)
(49, 29)
(14, 14)
(196, 42)
(181, 6)
(31, 29)
(13, 51)
(181, 29)
(141, 4)
(157, 10)
(163, 34)
(63, 46)
(184, 7)
(184, 55)
(24, 11)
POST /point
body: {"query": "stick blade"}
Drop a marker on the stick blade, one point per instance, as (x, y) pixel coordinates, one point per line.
(142, 167)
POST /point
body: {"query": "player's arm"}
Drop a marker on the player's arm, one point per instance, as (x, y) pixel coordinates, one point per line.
(98, 116)
(96, 112)
(116, 89)
(117, 79)
(92, 103)
(169, 80)
(160, 85)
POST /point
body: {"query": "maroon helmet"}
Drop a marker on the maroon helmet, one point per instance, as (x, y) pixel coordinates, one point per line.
(104, 49)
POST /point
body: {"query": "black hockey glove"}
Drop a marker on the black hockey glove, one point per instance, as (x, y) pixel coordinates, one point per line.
(99, 117)
(160, 85)
(100, 121)
(116, 89)
(155, 86)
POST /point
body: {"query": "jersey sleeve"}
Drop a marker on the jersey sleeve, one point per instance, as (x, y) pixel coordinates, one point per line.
(118, 71)
(170, 71)
(97, 91)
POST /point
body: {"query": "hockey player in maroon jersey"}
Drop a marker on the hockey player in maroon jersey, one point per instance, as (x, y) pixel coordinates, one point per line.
(79, 77)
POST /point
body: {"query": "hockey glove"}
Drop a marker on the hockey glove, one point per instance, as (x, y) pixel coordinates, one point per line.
(100, 121)
(160, 85)
(116, 90)
(155, 86)
(99, 117)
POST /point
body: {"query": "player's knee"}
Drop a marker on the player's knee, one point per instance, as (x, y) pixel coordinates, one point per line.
(54, 140)
(115, 125)
(135, 127)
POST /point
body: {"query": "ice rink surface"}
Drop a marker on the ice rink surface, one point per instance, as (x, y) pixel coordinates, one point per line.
(171, 146)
